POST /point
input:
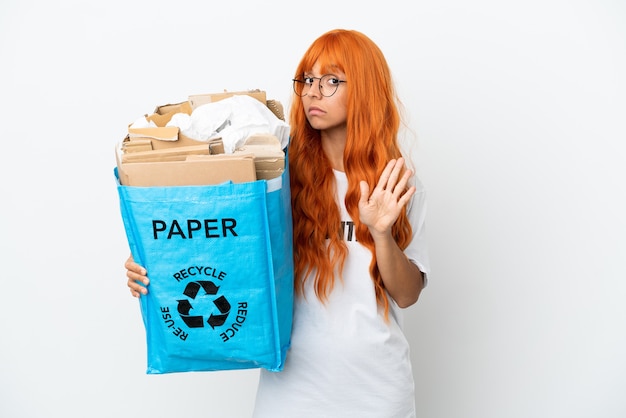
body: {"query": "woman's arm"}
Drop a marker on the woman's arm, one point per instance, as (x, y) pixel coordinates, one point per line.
(379, 211)
(403, 279)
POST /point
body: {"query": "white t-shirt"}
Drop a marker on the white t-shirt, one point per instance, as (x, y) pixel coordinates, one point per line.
(345, 360)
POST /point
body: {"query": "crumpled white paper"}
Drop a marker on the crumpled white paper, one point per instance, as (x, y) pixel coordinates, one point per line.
(180, 120)
(233, 119)
(142, 122)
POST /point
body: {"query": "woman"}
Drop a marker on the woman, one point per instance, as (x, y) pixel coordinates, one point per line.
(359, 247)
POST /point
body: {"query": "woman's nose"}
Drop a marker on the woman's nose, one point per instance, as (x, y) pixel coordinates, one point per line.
(315, 90)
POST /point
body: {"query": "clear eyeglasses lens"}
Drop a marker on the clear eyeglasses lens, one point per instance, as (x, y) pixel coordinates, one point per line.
(328, 85)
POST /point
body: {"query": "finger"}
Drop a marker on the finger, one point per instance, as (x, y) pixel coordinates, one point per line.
(404, 199)
(384, 177)
(138, 293)
(365, 193)
(395, 173)
(401, 186)
(134, 267)
(136, 288)
(137, 277)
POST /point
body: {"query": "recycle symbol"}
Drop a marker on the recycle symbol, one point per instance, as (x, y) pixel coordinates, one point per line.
(197, 321)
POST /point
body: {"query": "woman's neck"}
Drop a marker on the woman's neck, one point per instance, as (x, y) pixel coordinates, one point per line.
(334, 144)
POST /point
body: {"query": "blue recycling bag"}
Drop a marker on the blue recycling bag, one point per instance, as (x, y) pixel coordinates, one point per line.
(220, 262)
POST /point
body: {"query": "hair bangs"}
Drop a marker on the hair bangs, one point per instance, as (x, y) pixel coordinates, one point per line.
(327, 53)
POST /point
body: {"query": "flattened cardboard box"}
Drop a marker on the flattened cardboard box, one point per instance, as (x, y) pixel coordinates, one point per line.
(269, 158)
(187, 170)
(261, 158)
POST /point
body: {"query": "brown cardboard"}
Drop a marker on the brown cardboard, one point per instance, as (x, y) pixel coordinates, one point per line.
(162, 136)
(183, 141)
(162, 114)
(268, 174)
(267, 141)
(137, 145)
(277, 108)
(164, 133)
(269, 158)
(169, 154)
(194, 170)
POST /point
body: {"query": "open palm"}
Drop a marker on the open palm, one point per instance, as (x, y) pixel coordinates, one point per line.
(380, 209)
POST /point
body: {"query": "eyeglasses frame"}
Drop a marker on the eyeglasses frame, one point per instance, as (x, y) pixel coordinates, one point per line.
(319, 83)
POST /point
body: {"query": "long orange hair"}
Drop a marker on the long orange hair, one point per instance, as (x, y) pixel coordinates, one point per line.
(372, 123)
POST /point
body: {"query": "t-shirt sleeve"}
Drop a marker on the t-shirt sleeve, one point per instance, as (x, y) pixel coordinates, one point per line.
(417, 250)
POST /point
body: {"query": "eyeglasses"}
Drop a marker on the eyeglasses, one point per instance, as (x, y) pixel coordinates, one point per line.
(328, 85)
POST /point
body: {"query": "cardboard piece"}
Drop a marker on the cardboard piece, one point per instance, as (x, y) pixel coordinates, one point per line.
(137, 145)
(150, 168)
(192, 170)
(162, 114)
(169, 154)
(269, 158)
(164, 133)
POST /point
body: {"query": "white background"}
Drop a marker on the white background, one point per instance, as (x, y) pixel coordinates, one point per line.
(519, 110)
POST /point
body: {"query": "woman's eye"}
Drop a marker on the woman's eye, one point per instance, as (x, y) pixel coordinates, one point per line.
(308, 80)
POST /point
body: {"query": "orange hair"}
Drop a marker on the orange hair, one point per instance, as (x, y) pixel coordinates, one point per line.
(372, 123)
